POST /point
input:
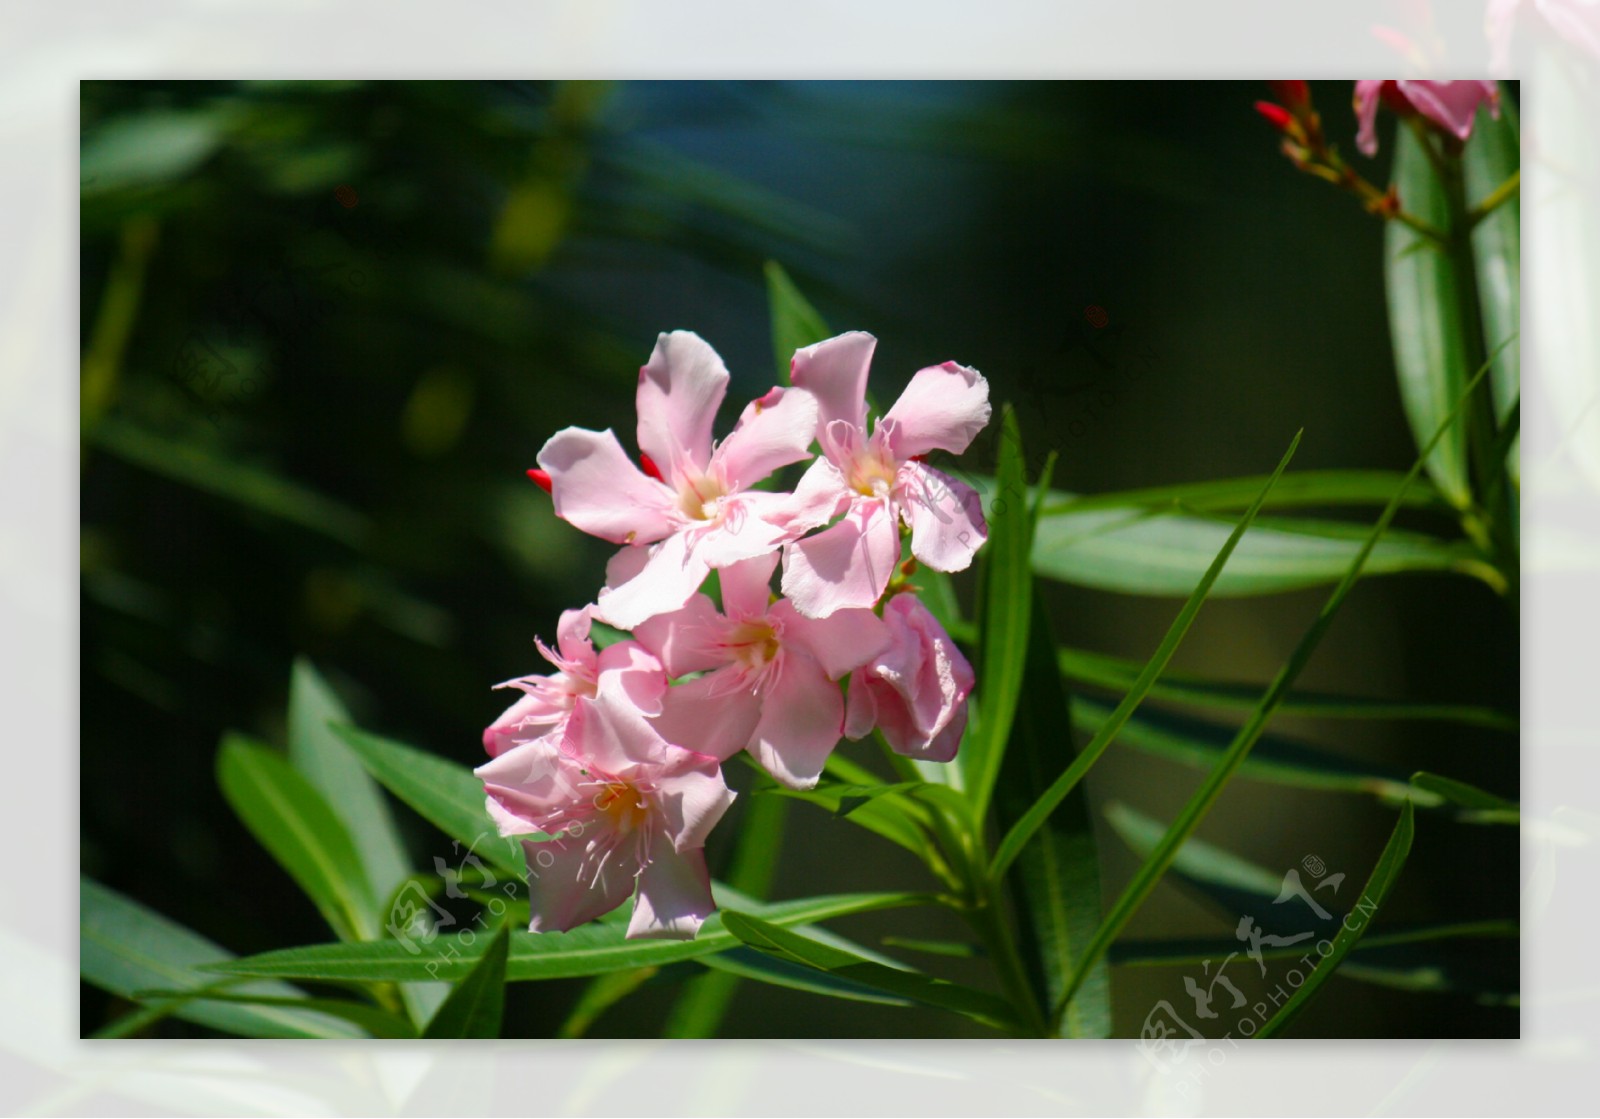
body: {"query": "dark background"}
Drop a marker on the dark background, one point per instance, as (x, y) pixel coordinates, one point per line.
(328, 325)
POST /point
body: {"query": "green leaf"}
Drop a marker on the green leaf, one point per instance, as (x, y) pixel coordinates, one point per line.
(602, 993)
(700, 1010)
(442, 792)
(1162, 953)
(1018, 835)
(1491, 157)
(795, 322)
(333, 769)
(748, 963)
(787, 945)
(1196, 860)
(1372, 896)
(1133, 550)
(1298, 489)
(375, 1021)
(1425, 322)
(1055, 880)
(591, 949)
(124, 947)
(1481, 807)
(291, 820)
(1200, 803)
(1005, 608)
(475, 1007)
(1281, 761)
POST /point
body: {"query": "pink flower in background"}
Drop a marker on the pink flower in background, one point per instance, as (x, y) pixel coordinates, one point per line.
(1449, 105)
(877, 481)
(695, 508)
(1576, 21)
(916, 690)
(548, 700)
(628, 814)
(770, 673)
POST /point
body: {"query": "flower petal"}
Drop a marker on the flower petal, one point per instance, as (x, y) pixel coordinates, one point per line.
(942, 409)
(820, 495)
(570, 884)
(773, 432)
(596, 487)
(680, 389)
(531, 785)
(947, 525)
(1366, 106)
(690, 797)
(534, 714)
(713, 715)
(802, 721)
(635, 670)
(747, 586)
(686, 640)
(835, 372)
(861, 706)
(667, 580)
(1451, 105)
(842, 642)
(674, 895)
(847, 565)
(744, 531)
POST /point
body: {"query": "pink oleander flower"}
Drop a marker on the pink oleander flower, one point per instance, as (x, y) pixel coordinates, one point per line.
(628, 814)
(877, 481)
(548, 700)
(916, 690)
(694, 508)
(1576, 21)
(770, 673)
(1449, 105)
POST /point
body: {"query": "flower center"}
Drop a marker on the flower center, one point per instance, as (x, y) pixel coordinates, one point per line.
(754, 644)
(622, 805)
(700, 499)
(872, 475)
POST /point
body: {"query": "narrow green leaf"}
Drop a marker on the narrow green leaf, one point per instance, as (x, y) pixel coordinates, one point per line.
(1297, 489)
(1200, 803)
(1425, 323)
(1018, 835)
(748, 963)
(1480, 807)
(1055, 880)
(475, 1007)
(124, 947)
(795, 322)
(1372, 896)
(1164, 953)
(1150, 552)
(375, 1021)
(442, 792)
(764, 936)
(958, 949)
(291, 820)
(1491, 158)
(333, 769)
(591, 949)
(1196, 859)
(1005, 608)
(705, 1000)
(602, 993)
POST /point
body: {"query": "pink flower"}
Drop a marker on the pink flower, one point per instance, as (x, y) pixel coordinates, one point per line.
(878, 481)
(770, 672)
(548, 700)
(695, 507)
(1577, 21)
(916, 690)
(628, 813)
(1449, 105)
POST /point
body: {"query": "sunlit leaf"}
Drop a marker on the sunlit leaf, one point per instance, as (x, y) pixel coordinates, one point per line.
(1491, 158)
(475, 1006)
(795, 322)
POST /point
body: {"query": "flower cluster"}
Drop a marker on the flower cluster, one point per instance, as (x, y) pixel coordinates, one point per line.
(611, 764)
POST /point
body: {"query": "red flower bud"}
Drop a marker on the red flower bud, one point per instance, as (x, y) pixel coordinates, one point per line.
(651, 470)
(1277, 116)
(1293, 94)
(540, 479)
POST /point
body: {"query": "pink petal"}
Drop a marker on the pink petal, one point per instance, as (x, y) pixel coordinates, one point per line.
(821, 495)
(842, 642)
(773, 432)
(861, 707)
(713, 715)
(1450, 105)
(835, 372)
(674, 895)
(747, 586)
(532, 716)
(635, 670)
(847, 565)
(680, 390)
(942, 409)
(596, 487)
(947, 525)
(690, 797)
(531, 785)
(744, 531)
(568, 885)
(802, 721)
(686, 640)
(608, 734)
(1366, 105)
(572, 637)
(670, 576)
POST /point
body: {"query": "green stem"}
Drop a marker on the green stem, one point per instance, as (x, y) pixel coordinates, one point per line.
(1501, 194)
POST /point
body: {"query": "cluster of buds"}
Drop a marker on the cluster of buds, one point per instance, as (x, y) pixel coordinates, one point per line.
(1306, 146)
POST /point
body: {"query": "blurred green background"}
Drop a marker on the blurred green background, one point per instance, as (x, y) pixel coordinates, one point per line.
(326, 326)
